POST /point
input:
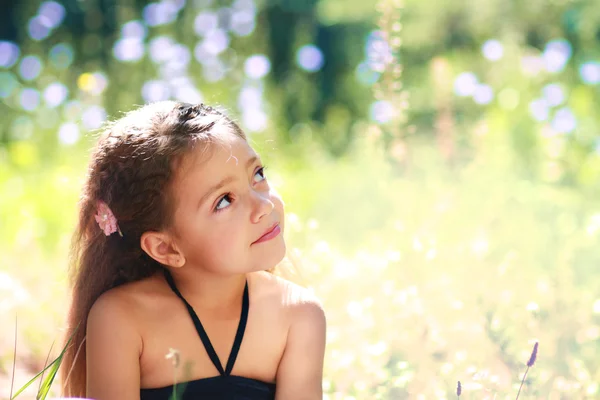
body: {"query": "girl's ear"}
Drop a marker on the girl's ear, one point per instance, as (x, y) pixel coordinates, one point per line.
(160, 247)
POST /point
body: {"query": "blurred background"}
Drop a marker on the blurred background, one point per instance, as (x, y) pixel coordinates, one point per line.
(440, 163)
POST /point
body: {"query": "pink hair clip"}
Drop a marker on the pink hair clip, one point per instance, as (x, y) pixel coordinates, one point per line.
(106, 219)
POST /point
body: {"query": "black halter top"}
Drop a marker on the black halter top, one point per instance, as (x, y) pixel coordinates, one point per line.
(223, 386)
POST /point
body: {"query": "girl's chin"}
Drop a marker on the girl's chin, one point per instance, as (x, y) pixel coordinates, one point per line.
(274, 260)
(266, 267)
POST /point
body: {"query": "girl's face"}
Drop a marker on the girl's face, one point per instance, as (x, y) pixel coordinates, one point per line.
(223, 206)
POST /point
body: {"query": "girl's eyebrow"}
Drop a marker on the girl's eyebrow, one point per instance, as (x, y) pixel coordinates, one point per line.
(224, 182)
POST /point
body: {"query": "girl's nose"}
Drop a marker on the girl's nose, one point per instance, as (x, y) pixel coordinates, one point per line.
(263, 205)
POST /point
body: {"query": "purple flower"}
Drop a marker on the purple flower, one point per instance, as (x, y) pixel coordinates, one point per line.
(533, 355)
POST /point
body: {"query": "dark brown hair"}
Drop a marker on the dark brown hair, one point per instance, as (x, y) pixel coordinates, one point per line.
(131, 169)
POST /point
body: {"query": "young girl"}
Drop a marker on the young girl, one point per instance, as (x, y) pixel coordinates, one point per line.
(178, 227)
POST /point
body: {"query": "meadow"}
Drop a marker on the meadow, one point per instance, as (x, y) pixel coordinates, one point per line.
(441, 192)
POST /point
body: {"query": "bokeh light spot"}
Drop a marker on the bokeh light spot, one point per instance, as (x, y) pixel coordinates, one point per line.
(160, 48)
(30, 67)
(93, 117)
(202, 55)
(539, 109)
(214, 70)
(465, 84)
(250, 98)
(134, 29)
(55, 94)
(216, 41)
(254, 120)
(378, 51)
(161, 13)
(155, 90)
(9, 54)
(53, 12)
(61, 56)
(310, 58)
(29, 99)
(205, 22)
(556, 55)
(243, 22)
(554, 94)
(100, 83)
(590, 72)
(68, 133)
(484, 94)
(39, 28)
(86, 81)
(188, 94)
(382, 111)
(180, 57)
(492, 50)
(129, 49)
(257, 66)
(564, 121)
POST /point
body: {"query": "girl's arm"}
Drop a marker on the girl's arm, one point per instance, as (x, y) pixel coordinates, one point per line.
(300, 372)
(113, 348)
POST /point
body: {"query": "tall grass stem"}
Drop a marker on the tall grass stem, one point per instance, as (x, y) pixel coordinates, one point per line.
(45, 365)
(12, 380)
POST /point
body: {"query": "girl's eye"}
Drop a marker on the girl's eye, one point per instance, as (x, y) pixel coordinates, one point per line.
(223, 203)
(261, 173)
(226, 200)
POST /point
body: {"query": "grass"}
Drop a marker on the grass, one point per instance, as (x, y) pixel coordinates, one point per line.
(45, 383)
(178, 388)
(428, 276)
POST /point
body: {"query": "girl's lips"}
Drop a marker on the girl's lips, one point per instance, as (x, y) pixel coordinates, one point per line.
(273, 232)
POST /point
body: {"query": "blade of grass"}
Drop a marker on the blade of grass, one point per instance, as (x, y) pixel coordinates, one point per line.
(32, 380)
(45, 387)
(56, 360)
(178, 390)
(76, 356)
(12, 381)
(47, 383)
(45, 364)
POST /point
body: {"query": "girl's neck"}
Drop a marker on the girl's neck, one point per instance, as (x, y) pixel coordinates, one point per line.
(207, 290)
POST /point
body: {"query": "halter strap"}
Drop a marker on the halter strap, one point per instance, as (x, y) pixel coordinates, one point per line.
(202, 333)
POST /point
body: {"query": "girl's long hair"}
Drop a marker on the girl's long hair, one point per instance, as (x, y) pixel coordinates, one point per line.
(131, 170)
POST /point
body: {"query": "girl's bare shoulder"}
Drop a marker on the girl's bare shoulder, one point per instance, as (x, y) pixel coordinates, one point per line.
(297, 310)
(135, 297)
(282, 293)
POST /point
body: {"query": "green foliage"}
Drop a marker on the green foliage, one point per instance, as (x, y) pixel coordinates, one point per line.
(443, 242)
(432, 274)
(46, 383)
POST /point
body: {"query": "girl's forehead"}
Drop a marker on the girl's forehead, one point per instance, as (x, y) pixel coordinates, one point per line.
(227, 154)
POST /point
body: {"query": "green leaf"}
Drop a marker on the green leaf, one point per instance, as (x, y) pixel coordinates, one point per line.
(45, 364)
(45, 388)
(53, 367)
(33, 379)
